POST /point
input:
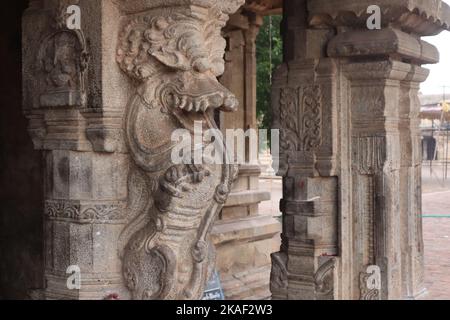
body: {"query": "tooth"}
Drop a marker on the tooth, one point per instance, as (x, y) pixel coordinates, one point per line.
(197, 105)
(176, 100)
(216, 100)
(189, 106)
(204, 105)
(228, 103)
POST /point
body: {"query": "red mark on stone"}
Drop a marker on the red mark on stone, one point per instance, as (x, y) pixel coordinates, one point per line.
(112, 296)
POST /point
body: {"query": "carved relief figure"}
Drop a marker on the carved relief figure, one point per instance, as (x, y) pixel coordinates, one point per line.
(279, 275)
(63, 61)
(61, 64)
(174, 55)
(324, 280)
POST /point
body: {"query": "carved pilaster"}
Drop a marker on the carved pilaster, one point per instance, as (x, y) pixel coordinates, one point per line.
(357, 164)
(380, 78)
(85, 182)
(305, 112)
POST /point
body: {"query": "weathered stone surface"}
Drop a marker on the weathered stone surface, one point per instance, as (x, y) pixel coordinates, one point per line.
(351, 155)
(241, 209)
(423, 18)
(115, 205)
(386, 41)
(170, 256)
(243, 249)
(139, 226)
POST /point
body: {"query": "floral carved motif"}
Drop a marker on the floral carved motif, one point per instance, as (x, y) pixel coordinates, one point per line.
(289, 121)
(301, 118)
(311, 118)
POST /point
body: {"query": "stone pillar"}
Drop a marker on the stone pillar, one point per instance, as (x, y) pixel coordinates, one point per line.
(304, 109)
(75, 118)
(352, 195)
(386, 167)
(244, 238)
(102, 103)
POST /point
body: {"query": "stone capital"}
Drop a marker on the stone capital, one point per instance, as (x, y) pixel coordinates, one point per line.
(385, 42)
(423, 18)
(138, 6)
(378, 70)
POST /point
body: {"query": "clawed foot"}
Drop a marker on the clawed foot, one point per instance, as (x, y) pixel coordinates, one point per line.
(179, 179)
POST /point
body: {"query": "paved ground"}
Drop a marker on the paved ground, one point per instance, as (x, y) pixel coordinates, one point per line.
(436, 232)
(436, 228)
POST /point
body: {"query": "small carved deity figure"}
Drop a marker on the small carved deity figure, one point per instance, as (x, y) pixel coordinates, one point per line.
(61, 61)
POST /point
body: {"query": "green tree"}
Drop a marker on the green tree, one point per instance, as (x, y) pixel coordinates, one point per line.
(269, 54)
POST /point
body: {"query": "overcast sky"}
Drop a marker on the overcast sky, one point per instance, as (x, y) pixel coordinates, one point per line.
(440, 73)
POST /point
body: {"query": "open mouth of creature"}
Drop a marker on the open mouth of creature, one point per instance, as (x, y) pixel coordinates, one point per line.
(200, 95)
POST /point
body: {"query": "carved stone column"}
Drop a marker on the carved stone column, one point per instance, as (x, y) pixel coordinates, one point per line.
(381, 71)
(304, 109)
(75, 118)
(363, 139)
(103, 102)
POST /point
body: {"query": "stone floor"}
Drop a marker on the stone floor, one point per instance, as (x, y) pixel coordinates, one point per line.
(436, 232)
(436, 227)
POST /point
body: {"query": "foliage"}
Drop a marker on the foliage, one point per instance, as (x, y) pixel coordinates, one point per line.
(269, 55)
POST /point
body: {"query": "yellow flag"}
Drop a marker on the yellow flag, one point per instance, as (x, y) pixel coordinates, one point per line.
(445, 106)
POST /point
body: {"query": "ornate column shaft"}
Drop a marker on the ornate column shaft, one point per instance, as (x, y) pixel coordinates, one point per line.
(133, 222)
(75, 117)
(381, 71)
(374, 78)
(304, 109)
